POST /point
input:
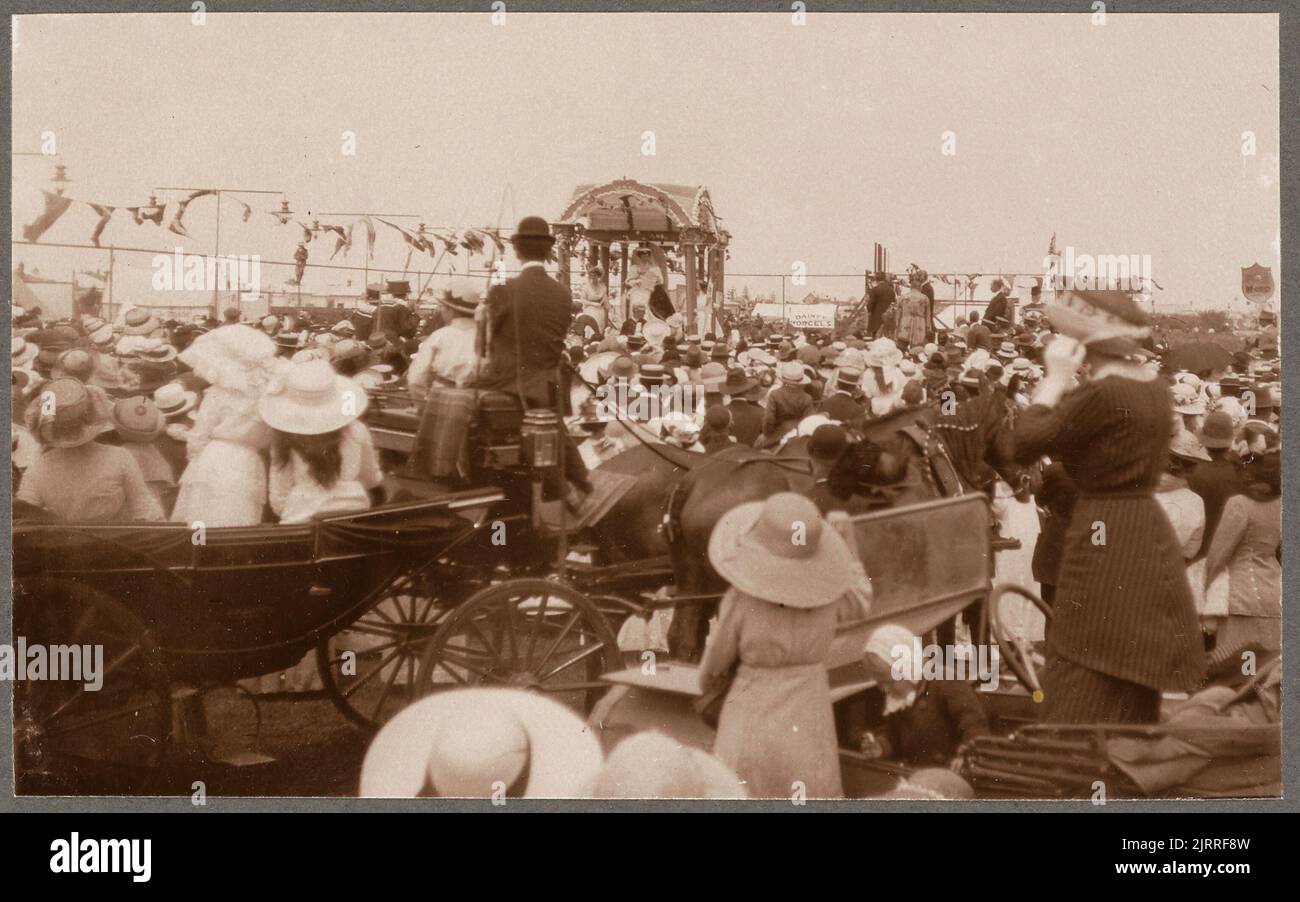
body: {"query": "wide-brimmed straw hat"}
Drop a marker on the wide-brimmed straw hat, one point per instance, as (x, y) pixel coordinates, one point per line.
(138, 419)
(781, 551)
(1105, 320)
(174, 400)
(462, 296)
(883, 352)
(651, 765)
(140, 322)
(311, 399)
(1187, 400)
(461, 742)
(1186, 445)
(72, 420)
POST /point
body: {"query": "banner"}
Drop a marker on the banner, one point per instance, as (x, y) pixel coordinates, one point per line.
(801, 316)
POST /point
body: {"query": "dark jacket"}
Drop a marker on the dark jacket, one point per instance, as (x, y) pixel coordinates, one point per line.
(1215, 481)
(997, 308)
(632, 326)
(840, 406)
(946, 714)
(530, 317)
(1056, 498)
(785, 408)
(746, 421)
(880, 299)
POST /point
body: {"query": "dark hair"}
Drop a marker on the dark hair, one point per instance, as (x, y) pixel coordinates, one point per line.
(351, 366)
(320, 452)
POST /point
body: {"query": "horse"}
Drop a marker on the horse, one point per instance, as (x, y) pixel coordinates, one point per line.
(893, 462)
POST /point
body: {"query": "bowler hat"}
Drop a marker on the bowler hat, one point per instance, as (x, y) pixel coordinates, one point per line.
(533, 228)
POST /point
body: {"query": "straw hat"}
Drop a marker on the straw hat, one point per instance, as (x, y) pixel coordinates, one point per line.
(1187, 399)
(72, 421)
(140, 322)
(1109, 320)
(883, 352)
(344, 327)
(713, 375)
(311, 399)
(77, 363)
(1186, 445)
(173, 400)
(781, 551)
(461, 295)
(465, 740)
(138, 419)
(270, 324)
(651, 765)
(792, 373)
(24, 352)
(349, 349)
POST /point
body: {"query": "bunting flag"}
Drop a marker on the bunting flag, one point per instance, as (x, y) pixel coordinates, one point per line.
(370, 235)
(105, 213)
(156, 217)
(55, 206)
(248, 211)
(449, 244)
(177, 225)
(415, 242)
(306, 231)
(472, 242)
(344, 242)
(494, 235)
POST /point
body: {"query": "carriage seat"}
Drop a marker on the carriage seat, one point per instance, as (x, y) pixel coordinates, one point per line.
(496, 429)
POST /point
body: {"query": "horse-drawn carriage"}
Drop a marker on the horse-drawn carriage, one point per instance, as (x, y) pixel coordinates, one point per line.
(470, 587)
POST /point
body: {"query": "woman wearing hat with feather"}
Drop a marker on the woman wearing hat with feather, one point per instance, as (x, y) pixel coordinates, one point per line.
(1125, 626)
(787, 568)
(225, 481)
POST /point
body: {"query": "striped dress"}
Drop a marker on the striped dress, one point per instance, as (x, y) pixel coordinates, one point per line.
(1124, 622)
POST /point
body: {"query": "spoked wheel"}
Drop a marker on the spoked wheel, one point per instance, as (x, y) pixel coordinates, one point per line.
(112, 721)
(370, 669)
(1020, 656)
(528, 633)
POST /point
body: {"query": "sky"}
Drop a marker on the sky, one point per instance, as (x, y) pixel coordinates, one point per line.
(814, 141)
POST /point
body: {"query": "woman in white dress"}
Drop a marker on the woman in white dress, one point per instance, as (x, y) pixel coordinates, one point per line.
(225, 481)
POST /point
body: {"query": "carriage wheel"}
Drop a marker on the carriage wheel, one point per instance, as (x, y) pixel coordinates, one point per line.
(529, 634)
(64, 732)
(1020, 656)
(369, 670)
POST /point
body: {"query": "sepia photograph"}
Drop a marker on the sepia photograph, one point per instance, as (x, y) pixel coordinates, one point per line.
(747, 409)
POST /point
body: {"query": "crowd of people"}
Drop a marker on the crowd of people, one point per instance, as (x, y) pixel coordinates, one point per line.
(1155, 493)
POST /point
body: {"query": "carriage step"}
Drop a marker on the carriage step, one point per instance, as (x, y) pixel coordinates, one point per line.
(190, 739)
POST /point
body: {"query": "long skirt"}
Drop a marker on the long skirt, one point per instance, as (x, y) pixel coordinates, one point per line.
(1075, 694)
(1240, 632)
(777, 732)
(224, 486)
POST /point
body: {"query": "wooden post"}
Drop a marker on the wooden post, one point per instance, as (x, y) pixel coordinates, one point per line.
(562, 253)
(622, 280)
(688, 252)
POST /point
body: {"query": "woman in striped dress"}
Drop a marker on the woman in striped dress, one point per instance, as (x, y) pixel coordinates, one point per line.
(1124, 623)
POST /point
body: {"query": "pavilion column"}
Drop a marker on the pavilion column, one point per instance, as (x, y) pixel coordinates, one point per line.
(562, 252)
(688, 255)
(622, 280)
(604, 264)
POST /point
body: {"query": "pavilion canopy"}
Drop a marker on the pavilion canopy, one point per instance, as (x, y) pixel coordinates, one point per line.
(627, 205)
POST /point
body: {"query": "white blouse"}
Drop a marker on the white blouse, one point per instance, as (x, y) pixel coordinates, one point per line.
(297, 498)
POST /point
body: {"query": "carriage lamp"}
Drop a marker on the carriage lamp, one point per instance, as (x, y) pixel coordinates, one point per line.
(540, 433)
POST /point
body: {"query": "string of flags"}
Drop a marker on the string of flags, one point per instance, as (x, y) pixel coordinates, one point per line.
(474, 241)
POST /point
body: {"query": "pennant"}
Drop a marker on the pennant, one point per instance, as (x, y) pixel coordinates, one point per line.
(449, 244)
(176, 225)
(248, 211)
(494, 235)
(344, 242)
(414, 241)
(55, 206)
(306, 231)
(370, 235)
(472, 242)
(105, 213)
